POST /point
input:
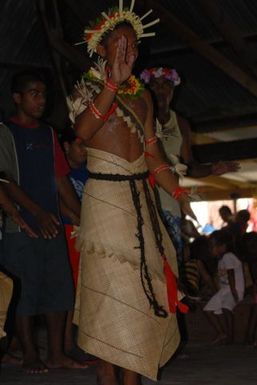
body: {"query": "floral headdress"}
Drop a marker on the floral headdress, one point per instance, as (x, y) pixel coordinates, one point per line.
(114, 17)
(157, 72)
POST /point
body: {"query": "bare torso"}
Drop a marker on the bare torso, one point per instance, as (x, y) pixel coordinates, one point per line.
(116, 137)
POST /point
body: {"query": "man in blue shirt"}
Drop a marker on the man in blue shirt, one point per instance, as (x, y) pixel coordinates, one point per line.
(32, 159)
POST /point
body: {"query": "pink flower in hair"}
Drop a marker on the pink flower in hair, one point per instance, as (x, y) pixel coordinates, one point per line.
(145, 76)
(168, 73)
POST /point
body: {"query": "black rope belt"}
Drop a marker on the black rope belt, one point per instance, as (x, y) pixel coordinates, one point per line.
(118, 177)
(144, 273)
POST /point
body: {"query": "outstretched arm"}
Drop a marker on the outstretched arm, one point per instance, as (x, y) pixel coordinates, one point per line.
(196, 169)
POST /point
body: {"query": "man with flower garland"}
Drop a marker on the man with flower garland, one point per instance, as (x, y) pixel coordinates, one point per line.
(173, 130)
(174, 133)
(127, 297)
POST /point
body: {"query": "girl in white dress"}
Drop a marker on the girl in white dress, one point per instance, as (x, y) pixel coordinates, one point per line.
(231, 286)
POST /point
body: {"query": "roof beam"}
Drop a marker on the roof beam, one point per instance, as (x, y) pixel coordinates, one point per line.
(220, 187)
(163, 51)
(72, 55)
(200, 139)
(234, 150)
(78, 12)
(224, 183)
(224, 124)
(210, 194)
(231, 34)
(55, 37)
(211, 181)
(204, 49)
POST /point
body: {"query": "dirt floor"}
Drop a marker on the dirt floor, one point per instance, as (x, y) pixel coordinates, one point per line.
(200, 364)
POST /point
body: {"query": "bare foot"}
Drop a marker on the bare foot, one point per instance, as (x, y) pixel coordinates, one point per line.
(66, 363)
(34, 367)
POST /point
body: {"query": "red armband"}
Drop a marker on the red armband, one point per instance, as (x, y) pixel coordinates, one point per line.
(157, 170)
(178, 192)
(151, 140)
(148, 155)
(162, 167)
(98, 115)
(111, 85)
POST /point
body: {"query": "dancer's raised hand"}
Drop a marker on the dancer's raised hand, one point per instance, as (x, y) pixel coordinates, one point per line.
(123, 63)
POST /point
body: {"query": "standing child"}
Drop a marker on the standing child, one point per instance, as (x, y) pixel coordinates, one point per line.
(231, 283)
(76, 154)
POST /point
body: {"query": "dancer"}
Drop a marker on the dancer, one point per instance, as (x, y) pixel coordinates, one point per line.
(127, 297)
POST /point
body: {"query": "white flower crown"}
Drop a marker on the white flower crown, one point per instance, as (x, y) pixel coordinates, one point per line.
(114, 17)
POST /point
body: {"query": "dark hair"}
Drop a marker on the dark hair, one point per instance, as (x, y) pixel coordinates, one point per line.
(243, 216)
(21, 79)
(225, 209)
(223, 237)
(199, 248)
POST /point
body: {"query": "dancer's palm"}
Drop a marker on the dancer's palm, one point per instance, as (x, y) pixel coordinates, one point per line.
(122, 65)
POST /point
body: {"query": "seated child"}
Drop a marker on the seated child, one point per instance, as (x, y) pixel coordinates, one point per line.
(76, 155)
(231, 286)
(196, 274)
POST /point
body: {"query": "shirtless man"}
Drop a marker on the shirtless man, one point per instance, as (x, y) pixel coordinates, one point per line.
(175, 135)
(127, 259)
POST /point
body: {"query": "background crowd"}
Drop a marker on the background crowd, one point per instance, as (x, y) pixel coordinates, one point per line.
(41, 188)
